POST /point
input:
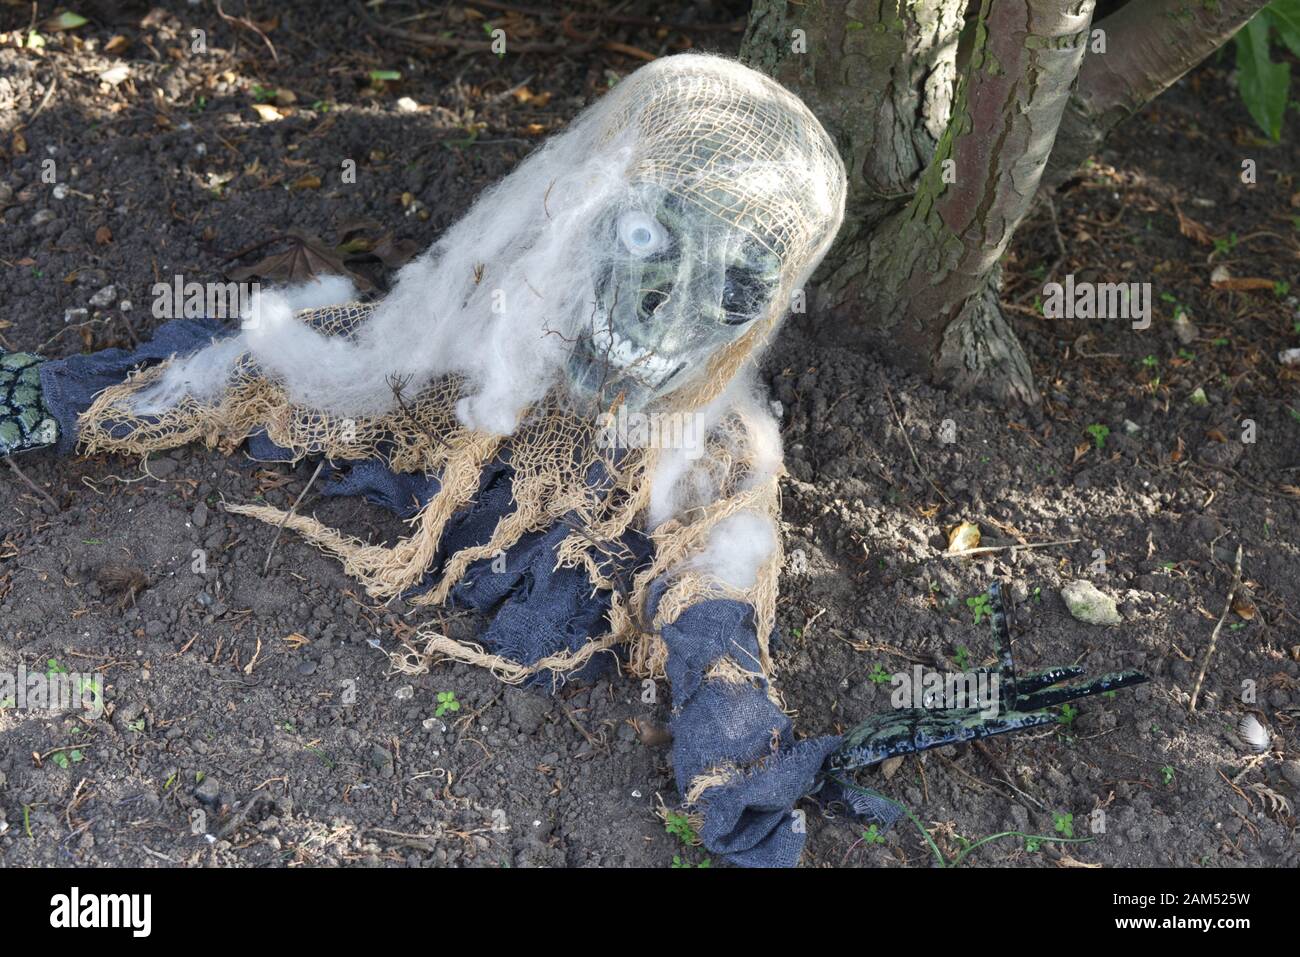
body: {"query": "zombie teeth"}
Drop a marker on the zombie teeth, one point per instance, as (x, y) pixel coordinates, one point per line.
(621, 352)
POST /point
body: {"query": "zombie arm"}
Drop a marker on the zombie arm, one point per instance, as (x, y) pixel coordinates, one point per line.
(25, 422)
(1017, 702)
(40, 399)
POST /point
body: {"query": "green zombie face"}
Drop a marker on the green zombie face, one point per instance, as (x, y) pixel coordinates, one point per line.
(674, 284)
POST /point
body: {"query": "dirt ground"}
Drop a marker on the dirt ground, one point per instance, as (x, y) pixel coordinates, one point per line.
(229, 712)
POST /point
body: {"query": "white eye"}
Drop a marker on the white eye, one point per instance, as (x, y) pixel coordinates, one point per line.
(641, 234)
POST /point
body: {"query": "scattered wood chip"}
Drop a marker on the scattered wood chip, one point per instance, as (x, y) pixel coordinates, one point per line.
(963, 537)
(1243, 284)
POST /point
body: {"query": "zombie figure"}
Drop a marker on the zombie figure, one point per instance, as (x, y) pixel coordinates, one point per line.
(561, 397)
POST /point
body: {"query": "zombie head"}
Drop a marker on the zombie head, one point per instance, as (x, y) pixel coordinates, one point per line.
(733, 192)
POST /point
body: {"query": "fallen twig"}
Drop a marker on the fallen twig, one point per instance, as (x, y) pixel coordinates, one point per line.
(985, 549)
(1214, 635)
(915, 461)
(30, 484)
(266, 566)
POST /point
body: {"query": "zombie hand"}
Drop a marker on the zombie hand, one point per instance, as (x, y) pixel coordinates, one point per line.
(25, 423)
(1018, 703)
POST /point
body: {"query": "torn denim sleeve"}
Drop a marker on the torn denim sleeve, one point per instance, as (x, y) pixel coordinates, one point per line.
(735, 730)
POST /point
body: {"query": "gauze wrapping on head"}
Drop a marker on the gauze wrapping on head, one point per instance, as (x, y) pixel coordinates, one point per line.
(520, 284)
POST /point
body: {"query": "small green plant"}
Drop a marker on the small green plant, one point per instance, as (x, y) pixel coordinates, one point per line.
(878, 674)
(679, 826)
(962, 657)
(1068, 713)
(64, 759)
(979, 606)
(872, 835)
(1064, 824)
(52, 668)
(1150, 362)
(1224, 246)
(263, 94)
(1099, 433)
(1167, 774)
(446, 702)
(1032, 841)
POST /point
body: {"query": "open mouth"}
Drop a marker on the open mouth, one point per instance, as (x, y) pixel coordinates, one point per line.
(607, 356)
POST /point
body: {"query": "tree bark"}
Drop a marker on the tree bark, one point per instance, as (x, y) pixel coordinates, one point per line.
(879, 75)
(950, 115)
(1149, 46)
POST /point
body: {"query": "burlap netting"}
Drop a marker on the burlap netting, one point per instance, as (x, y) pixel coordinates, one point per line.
(423, 435)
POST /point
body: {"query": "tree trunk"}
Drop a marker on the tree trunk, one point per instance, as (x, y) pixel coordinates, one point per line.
(946, 113)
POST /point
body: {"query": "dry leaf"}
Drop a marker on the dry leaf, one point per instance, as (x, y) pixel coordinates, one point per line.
(1192, 229)
(963, 537)
(1244, 608)
(1080, 451)
(267, 112)
(103, 236)
(310, 181)
(525, 95)
(890, 765)
(19, 142)
(306, 259)
(117, 44)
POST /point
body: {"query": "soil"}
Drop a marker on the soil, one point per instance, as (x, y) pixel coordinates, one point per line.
(253, 717)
